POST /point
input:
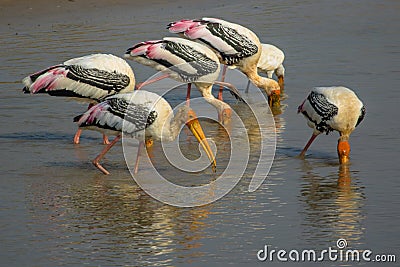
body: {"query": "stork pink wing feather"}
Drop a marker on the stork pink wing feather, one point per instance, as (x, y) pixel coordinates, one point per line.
(197, 32)
(182, 25)
(155, 51)
(48, 80)
(151, 49)
(94, 112)
(141, 48)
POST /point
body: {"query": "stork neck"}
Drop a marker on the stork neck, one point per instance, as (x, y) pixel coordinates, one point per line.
(220, 105)
(171, 128)
(344, 137)
(261, 82)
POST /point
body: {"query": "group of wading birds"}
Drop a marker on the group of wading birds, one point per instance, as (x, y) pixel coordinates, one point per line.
(116, 105)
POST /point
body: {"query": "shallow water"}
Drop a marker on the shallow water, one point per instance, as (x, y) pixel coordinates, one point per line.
(57, 209)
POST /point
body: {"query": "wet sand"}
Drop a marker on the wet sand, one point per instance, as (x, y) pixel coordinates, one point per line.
(23, 15)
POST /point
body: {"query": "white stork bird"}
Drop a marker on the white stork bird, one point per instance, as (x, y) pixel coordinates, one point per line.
(333, 108)
(271, 61)
(140, 114)
(89, 78)
(235, 45)
(185, 61)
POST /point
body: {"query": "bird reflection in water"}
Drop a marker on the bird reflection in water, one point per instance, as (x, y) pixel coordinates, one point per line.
(334, 204)
(102, 211)
(150, 227)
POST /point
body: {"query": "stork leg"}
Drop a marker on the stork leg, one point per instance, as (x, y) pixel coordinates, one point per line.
(303, 152)
(79, 131)
(105, 140)
(101, 155)
(221, 88)
(189, 88)
(247, 87)
(140, 85)
(141, 146)
(77, 136)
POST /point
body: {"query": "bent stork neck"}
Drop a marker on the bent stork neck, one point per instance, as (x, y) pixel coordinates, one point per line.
(206, 89)
(261, 82)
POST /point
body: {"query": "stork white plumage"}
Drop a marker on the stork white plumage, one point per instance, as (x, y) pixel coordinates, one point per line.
(270, 62)
(90, 78)
(235, 45)
(333, 108)
(184, 61)
(142, 115)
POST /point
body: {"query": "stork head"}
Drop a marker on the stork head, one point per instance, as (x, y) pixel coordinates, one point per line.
(224, 116)
(274, 95)
(343, 149)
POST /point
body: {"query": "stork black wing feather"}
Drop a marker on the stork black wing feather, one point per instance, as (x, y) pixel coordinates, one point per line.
(243, 45)
(139, 115)
(199, 61)
(105, 80)
(322, 106)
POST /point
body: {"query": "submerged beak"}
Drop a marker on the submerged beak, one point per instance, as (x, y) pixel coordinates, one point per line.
(281, 82)
(195, 127)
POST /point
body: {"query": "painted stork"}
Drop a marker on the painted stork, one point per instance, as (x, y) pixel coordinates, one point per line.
(90, 78)
(271, 61)
(185, 61)
(235, 45)
(333, 108)
(140, 114)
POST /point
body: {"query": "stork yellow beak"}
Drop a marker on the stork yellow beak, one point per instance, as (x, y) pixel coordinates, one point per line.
(194, 126)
